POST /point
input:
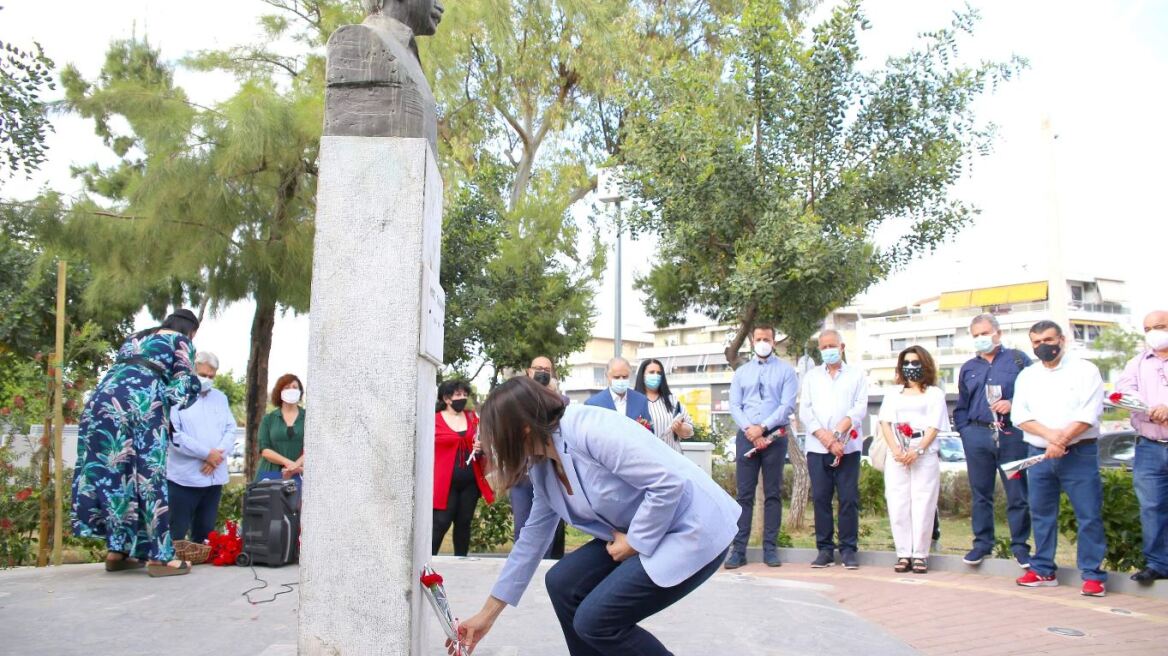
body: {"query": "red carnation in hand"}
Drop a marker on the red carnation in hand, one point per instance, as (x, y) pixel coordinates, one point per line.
(853, 434)
(905, 429)
(1116, 397)
(432, 579)
(24, 494)
(645, 422)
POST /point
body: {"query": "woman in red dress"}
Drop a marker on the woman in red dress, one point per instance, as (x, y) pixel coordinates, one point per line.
(458, 467)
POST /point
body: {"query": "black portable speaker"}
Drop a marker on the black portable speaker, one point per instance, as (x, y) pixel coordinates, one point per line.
(271, 524)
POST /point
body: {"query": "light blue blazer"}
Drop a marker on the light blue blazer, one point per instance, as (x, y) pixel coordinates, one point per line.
(623, 479)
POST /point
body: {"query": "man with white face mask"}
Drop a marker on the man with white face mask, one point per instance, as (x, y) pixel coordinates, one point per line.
(1145, 379)
(990, 440)
(762, 398)
(620, 396)
(196, 467)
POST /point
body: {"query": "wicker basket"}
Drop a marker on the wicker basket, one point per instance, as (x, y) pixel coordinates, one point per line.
(197, 554)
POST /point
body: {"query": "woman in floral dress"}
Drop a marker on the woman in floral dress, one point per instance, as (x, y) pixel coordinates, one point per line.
(119, 484)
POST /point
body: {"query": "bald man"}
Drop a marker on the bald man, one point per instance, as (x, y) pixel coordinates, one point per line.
(1144, 378)
(619, 396)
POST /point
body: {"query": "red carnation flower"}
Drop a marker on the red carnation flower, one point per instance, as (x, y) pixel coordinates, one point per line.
(432, 579)
(1116, 397)
(854, 434)
(5, 524)
(24, 494)
(905, 429)
(645, 422)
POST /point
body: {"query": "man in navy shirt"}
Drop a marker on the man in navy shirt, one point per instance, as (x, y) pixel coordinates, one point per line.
(990, 440)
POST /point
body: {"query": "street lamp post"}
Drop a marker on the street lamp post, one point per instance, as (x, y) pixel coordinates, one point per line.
(608, 187)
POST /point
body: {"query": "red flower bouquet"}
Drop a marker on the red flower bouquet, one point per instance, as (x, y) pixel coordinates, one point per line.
(645, 422)
(435, 593)
(225, 547)
(1121, 400)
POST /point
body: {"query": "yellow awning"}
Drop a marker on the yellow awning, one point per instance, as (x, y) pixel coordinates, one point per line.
(1102, 324)
(986, 296)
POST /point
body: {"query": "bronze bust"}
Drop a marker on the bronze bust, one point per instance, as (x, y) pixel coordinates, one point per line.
(375, 84)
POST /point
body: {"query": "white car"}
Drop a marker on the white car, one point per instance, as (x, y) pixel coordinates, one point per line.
(237, 461)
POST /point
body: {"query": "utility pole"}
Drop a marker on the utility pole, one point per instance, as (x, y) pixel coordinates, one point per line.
(1057, 294)
(617, 329)
(59, 414)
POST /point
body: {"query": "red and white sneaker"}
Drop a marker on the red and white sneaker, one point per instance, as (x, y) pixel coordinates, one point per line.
(1032, 579)
(1093, 589)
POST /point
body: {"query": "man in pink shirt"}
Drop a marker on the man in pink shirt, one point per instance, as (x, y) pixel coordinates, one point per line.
(1145, 378)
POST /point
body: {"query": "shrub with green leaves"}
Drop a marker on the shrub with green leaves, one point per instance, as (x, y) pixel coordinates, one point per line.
(1121, 521)
(492, 526)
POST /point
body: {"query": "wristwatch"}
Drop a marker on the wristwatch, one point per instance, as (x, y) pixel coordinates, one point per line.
(836, 434)
(920, 452)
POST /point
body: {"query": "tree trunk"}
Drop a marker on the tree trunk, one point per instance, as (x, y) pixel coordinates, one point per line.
(800, 486)
(257, 377)
(46, 517)
(731, 351)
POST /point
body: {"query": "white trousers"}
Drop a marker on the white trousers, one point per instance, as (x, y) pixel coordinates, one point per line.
(912, 493)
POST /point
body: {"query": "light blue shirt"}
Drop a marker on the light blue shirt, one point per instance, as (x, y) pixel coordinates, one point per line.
(623, 479)
(206, 425)
(763, 392)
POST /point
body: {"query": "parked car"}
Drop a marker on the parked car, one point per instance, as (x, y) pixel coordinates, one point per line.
(1117, 449)
(952, 451)
(237, 462)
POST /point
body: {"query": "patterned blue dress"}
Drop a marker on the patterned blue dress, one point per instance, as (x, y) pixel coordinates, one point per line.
(119, 484)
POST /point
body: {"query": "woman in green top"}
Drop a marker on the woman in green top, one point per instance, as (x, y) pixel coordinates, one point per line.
(282, 433)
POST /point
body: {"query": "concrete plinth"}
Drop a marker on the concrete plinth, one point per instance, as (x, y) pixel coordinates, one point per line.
(375, 338)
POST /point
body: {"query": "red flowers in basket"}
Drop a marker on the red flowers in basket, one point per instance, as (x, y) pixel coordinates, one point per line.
(225, 548)
(645, 422)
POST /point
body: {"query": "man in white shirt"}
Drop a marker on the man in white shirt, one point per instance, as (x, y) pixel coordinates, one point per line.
(1057, 404)
(835, 402)
(620, 396)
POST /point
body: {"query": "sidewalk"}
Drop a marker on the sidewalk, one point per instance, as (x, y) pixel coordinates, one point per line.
(974, 615)
(756, 610)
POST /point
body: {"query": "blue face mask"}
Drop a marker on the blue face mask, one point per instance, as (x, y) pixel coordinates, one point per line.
(620, 385)
(652, 381)
(983, 343)
(831, 355)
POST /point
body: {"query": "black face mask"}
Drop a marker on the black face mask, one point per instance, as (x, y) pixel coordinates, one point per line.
(542, 377)
(458, 405)
(1048, 352)
(912, 371)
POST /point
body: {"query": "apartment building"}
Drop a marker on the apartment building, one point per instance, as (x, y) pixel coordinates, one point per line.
(941, 323)
(586, 368)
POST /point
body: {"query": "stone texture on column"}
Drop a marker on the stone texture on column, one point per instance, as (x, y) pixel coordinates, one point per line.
(369, 438)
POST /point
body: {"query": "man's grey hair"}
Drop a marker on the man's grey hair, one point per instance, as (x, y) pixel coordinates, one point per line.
(986, 318)
(831, 331)
(207, 358)
(613, 362)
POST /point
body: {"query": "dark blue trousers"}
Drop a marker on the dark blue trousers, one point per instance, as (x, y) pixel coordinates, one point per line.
(826, 483)
(193, 510)
(769, 462)
(983, 462)
(600, 601)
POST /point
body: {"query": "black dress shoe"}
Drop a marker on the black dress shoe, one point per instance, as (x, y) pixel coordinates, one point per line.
(1147, 575)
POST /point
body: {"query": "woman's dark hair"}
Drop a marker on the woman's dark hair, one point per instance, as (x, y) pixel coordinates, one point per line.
(281, 383)
(504, 419)
(663, 390)
(447, 390)
(928, 368)
(180, 321)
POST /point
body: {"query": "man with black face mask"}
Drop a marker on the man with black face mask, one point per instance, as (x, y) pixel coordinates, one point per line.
(1057, 404)
(522, 495)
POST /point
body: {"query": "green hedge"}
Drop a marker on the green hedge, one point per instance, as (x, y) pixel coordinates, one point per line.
(1121, 521)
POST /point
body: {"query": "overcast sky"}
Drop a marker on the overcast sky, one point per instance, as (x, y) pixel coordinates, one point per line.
(1097, 72)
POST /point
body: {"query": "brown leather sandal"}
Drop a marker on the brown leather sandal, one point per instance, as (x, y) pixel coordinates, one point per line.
(920, 566)
(902, 566)
(122, 564)
(164, 569)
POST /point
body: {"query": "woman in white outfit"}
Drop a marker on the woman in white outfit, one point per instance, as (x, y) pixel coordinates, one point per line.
(909, 423)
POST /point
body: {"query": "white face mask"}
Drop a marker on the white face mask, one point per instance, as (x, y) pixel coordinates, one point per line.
(206, 384)
(290, 396)
(763, 349)
(1157, 340)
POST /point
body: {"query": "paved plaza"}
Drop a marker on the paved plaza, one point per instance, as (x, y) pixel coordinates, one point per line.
(80, 609)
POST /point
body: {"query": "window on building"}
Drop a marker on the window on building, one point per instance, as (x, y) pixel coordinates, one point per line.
(1077, 293)
(899, 344)
(599, 376)
(1093, 333)
(944, 341)
(1080, 332)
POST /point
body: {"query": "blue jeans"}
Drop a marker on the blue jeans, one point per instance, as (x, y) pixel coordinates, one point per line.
(522, 496)
(599, 601)
(826, 483)
(1151, 483)
(769, 462)
(1077, 474)
(983, 462)
(194, 510)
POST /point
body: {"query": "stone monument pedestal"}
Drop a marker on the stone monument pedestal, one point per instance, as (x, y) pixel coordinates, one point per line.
(375, 341)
